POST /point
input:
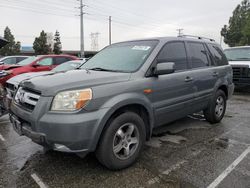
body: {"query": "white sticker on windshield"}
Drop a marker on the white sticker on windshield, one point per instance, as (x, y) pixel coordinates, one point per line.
(143, 48)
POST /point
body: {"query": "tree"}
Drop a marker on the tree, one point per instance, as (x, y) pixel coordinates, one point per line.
(246, 31)
(40, 44)
(236, 32)
(57, 44)
(12, 48)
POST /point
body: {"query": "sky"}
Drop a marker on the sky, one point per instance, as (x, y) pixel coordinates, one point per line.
(131, 19)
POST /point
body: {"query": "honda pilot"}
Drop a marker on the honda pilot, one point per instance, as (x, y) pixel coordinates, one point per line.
(112, 104)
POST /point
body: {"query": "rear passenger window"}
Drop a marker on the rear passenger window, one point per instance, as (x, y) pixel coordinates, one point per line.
(45, 62)
(60, 60)
(20, 59)
(198, 55)
(174, 52)
(218, 55)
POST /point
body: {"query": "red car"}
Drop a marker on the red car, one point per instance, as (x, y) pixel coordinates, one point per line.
(34, 64)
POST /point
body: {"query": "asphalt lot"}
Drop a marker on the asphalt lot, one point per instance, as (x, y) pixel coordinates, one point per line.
(187, 153)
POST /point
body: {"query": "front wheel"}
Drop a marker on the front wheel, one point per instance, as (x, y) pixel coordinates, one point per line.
(122, 141)
(217, 108)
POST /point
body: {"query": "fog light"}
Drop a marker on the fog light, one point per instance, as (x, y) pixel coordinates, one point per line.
(60, 147)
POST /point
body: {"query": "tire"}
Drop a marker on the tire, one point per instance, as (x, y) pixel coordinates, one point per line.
(217, 108)
(112, 151)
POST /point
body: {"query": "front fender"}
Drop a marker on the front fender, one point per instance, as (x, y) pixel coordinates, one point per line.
(117, 102)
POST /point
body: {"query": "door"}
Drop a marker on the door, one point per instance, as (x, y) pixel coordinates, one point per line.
(203, 74)
(44, 64)
(173, 93)
(60, 60)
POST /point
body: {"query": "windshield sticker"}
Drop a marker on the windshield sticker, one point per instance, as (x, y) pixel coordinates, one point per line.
(143, 48)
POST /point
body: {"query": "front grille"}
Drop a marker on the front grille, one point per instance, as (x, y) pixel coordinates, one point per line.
(240, 71)
(26, 98)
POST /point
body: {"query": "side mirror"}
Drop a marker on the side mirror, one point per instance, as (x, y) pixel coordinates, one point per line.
(35, 65)
(164, 68)
(1, 63)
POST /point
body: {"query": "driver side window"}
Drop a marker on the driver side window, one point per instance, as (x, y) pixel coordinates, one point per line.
(174, 52)
(45, 62)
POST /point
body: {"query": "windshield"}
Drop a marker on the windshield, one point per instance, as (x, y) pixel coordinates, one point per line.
(8, 61)
(28, 61)
(238, 54)
(71, 65)
(121, 57)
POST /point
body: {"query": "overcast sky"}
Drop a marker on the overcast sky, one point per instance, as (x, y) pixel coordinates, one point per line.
(131, 19)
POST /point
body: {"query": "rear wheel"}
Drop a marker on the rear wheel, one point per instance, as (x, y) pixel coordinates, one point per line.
(217, 107)
(122, 141)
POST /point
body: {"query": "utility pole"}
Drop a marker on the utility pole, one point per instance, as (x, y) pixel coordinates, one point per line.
(221, 40)
(81, 28)
(94, 41)
(180, 32)
(110, 32)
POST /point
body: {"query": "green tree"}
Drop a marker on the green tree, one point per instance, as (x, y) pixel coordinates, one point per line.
(246, 32)
(235, 33)
(12, 48)
(40, 44)
(57, 44)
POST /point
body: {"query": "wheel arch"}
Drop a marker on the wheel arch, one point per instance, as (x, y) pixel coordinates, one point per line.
(224, 89)
(138, 105)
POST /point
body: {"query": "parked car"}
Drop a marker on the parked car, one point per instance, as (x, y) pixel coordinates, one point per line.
(123, 93)
(13, 83)
(8, 61)
(239, 58)
(34, 64)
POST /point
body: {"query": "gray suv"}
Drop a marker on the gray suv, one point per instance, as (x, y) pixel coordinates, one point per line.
(113, 102)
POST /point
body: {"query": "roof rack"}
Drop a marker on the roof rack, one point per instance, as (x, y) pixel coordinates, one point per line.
(198, 37)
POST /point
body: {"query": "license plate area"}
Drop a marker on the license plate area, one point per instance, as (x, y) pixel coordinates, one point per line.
(17, 125)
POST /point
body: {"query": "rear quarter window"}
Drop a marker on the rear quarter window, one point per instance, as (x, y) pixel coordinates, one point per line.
(218, 55)
(198, 55)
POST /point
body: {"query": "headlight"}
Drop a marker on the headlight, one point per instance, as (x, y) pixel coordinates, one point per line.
(71, 100)
(5, 73)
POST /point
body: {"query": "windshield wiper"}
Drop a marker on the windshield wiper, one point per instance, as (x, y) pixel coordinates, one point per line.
(102, 69)
(243, 58)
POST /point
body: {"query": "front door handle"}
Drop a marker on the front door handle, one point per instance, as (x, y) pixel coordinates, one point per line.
(188, 79)
(215, 74)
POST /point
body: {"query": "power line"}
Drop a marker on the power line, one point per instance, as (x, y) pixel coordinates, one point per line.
(35, 11)
(127, 11)
(41, 4)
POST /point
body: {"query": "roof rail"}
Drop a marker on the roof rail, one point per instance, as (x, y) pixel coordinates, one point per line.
(198, 37)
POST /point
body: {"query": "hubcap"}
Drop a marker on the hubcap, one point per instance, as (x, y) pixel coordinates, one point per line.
(219, 108)
(126, 141)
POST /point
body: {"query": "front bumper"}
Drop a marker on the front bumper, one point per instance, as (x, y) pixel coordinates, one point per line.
(242, 82)
(66, 132)
(230, 90)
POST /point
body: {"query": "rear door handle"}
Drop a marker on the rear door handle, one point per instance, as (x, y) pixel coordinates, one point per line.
(188, 79)
(215, 74)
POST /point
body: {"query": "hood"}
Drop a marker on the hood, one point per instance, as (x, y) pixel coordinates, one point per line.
(50, 85)
(16, 80)
(235, 63)
(8, 67)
